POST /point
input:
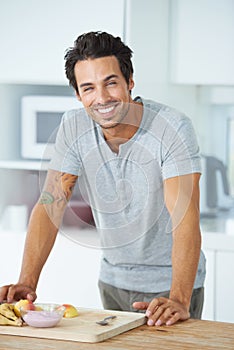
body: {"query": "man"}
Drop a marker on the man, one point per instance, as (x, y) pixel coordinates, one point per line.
(138, 167)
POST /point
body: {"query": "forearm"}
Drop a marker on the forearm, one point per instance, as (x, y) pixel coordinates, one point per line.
(39, 242)
(185, 257)
(182, 201)
(181, 195)
(44, 224)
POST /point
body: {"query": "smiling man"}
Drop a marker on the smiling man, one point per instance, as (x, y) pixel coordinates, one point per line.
(137, 163)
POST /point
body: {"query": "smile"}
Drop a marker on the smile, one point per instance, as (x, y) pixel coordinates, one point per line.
(106, 110)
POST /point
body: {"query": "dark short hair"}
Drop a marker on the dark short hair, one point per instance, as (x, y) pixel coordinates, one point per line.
(95, 45)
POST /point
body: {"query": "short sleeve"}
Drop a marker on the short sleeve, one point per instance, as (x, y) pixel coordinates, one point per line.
(180, 150)
(66, 149)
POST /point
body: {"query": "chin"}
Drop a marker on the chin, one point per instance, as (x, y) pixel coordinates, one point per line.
(109, 125)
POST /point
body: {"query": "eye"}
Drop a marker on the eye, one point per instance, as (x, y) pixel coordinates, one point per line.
(111, 83)
(87, 89)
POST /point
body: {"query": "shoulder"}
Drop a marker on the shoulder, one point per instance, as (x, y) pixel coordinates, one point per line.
(166, 112)
(77, 120)
(77, 115)
(165, 117)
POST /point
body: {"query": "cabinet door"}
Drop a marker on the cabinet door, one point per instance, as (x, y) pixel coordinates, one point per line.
(71, 273)
(224, 287)
(202, 42)
(12, 246)
(209, 297)
(35, 35)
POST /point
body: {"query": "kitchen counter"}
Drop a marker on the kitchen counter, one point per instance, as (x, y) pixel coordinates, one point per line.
(191, 334)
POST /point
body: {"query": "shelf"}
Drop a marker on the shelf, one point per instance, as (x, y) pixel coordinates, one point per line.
(24, 165)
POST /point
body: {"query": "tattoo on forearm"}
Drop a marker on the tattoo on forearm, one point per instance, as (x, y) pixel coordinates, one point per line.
(56, 193)
(58, 188)
(46, 198)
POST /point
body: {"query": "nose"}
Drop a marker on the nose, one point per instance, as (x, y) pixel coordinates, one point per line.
(102, 95)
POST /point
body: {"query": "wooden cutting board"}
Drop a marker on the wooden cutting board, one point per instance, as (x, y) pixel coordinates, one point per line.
(82, 328)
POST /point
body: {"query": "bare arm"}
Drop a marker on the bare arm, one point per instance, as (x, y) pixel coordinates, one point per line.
(182, 201)
(42, 231)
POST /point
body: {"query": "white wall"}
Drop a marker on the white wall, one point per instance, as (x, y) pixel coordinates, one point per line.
(149, 37)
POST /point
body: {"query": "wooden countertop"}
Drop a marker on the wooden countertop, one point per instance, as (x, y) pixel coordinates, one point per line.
(191, 334)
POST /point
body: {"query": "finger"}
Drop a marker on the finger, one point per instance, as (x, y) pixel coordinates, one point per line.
(157, 317)
(31, 296)
(11, 293)
(171, 314)
(181, 314)
(154, 304)
(4, 292)
(17, 292)
(173, 319)
(166, 313)
(140, 305)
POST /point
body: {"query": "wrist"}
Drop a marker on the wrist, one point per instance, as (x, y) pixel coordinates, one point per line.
(181, 298)
(29, 283)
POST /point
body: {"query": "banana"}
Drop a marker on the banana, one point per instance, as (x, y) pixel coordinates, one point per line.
(8, 317)
(4, 321)
(7, 310)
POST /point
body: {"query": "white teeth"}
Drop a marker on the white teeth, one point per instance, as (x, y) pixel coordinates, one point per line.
(105, 110)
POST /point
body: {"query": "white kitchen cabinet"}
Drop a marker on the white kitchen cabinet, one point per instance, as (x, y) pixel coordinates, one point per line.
(219, 284)
(209, 297)
(70, 274)
(202, 42)
(12, 245)
(224, 286)
(35, 35)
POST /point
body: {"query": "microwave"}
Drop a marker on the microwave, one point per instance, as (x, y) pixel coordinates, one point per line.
(40, 119)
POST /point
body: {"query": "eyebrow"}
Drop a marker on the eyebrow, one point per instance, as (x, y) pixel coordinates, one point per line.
(110, 77)
(105, 80)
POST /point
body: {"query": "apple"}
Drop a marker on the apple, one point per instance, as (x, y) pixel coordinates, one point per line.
(23, 304)
(70, 311)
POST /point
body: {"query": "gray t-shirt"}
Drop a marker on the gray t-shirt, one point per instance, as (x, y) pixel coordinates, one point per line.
(125, 191)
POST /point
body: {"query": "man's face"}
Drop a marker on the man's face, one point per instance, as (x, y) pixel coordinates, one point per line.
(103, 90)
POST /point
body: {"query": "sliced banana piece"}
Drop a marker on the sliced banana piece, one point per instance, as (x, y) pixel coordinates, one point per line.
(8, 317)
(7, 310)
(4, 321)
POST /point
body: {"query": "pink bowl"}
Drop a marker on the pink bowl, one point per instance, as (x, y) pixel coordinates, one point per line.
(47, 315)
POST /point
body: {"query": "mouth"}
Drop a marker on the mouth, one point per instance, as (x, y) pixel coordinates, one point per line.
(106, 112)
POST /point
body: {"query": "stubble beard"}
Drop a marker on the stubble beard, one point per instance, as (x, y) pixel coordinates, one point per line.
(113, 124)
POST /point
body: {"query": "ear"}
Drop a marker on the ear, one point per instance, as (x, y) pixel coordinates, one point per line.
(78, 96)
(131, 83)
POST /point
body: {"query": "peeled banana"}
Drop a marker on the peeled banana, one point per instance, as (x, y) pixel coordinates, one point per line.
(8, 317)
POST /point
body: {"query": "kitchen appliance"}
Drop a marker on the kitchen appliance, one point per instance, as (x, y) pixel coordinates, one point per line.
(214, 187)
(40, 118)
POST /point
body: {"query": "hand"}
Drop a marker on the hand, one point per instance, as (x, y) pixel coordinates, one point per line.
(163, 311)
(15, 292)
